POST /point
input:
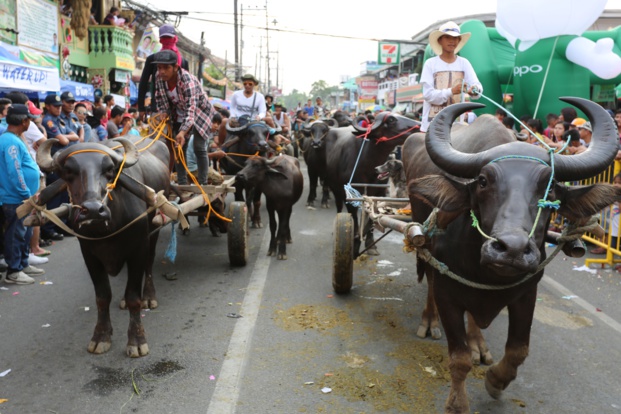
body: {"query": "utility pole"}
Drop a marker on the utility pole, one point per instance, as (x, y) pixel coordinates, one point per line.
(267, 46)
(237, 74)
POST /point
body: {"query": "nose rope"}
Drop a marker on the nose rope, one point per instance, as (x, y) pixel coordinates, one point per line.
(541, 203)
(110, 186)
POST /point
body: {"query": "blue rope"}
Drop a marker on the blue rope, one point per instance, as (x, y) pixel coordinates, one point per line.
(350, 191)
(171, 250)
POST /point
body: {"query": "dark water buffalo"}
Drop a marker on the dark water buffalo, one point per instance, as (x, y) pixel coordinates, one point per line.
(344, 157)
(87, 169)
(314, 151)
(481, 169)
(342, 118)
(249, 139)
(281, 180)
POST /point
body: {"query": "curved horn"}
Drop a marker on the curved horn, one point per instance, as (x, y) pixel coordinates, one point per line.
(440, 149)
(231, 129)
(44, 156)
(601, 151)
(270, 161)
(331, 122)
(131, 152)
(358, 127)
(307, 126)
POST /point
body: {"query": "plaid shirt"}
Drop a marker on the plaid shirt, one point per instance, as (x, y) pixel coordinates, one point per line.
(193, 103)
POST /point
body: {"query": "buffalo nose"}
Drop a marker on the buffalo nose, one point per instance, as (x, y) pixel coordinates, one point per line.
(513, 244)
(240, 177)
(95, 210)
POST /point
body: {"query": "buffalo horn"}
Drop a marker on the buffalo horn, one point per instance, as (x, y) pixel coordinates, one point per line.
(131, 152)
(357, 121)
(440, 149)
(602, 150)
(44, 156)
(231, 129)
(331, 122)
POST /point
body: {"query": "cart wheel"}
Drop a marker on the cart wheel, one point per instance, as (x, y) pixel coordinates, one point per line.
(343, 260)
(237, 235)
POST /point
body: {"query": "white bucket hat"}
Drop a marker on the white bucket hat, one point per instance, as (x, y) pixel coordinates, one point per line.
(447, 29)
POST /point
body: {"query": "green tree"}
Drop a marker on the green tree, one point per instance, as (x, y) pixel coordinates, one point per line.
(291, 101)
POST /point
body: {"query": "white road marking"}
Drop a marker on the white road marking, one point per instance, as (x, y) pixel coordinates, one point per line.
(226, 393)
(554, 285)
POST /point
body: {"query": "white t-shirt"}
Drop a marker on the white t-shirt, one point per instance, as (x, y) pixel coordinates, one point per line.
(32, 135)
(174, 98)
(241, 105)
(438, 78)
(281, 121)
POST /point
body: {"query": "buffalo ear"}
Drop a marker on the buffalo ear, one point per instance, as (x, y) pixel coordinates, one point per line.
(583, 201)
(274, 171)
(448, 195)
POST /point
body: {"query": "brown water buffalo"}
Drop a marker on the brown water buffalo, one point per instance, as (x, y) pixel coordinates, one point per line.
(88, 168)
(281, 180)
(344, 157)
(483, 170)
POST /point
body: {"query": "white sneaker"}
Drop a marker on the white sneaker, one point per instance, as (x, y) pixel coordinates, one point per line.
(33, 271)
(36, 260)
(19, 278)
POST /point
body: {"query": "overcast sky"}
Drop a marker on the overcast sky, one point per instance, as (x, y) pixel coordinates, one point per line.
(303, 58)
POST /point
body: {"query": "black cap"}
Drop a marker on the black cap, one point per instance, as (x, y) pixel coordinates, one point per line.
(20, 109)
(53, 100)
(165, 57)
(67, 96)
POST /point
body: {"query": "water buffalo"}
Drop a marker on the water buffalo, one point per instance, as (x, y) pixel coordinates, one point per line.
(482, 170)
(281, 180)
(314, 151)
(246, 140)
(344, 157)
(88, 168)
(342, 118)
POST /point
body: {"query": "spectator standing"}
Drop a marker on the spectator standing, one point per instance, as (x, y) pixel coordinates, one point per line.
(500, 114)
(82, 113)
(69, 118)
(108, 101)
(116, 116)
(4, 108)
(22, 182)
(100, 133)
(446, 77)
(309, 108)
(127, 125)
(551, 119)
(586, 133)
(320, 110)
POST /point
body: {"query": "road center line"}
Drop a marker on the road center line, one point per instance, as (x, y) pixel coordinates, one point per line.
(553, 284)
(226, 393)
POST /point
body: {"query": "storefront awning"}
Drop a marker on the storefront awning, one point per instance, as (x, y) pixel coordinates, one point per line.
(81, 91)
(19, 75)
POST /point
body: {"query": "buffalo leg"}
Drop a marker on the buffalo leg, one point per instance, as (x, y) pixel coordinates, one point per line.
(325, 196)
(273, 227)
(149, 299)
(102, 336)
(460, 360)
(500, 375)
(256, 210)
(430, 321)
(284, 215)
(478, 346)
(136, 339)
(312, 187)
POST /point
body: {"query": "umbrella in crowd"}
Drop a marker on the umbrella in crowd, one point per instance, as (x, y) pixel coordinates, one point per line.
(376, 108)
(225, 104)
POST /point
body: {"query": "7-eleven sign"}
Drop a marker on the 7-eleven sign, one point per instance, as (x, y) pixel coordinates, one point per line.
(388, 54)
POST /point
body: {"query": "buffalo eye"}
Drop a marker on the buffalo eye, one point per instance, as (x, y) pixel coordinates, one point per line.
(482, 181)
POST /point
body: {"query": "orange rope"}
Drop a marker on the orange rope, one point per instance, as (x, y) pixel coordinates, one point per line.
(110, 186)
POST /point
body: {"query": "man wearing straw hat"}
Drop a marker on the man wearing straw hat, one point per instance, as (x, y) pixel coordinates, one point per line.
(446, 78)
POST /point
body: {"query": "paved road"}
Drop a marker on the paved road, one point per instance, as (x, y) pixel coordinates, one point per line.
(295, 337)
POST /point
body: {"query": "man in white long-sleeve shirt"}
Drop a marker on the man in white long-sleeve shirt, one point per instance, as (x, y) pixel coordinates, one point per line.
(446, 78)
(248, 102)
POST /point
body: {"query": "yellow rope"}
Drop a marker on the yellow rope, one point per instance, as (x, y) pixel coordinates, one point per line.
(110, 186)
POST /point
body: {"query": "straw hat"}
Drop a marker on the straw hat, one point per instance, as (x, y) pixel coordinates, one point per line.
(447, 29)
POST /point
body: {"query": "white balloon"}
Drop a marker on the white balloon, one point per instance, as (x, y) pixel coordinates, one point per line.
(531, 20)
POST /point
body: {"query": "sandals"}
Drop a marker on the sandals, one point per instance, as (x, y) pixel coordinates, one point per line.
(43, 253)
(598, 250)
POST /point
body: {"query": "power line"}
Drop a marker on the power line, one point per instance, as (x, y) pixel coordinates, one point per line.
(287, 30)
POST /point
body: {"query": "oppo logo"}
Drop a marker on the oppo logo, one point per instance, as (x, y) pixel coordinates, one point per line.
(523, 70)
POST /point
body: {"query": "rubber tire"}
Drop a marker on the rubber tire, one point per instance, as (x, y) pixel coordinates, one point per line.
(343, 253)
(237, 235)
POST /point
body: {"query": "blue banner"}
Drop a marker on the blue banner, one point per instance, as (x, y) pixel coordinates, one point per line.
(81, 91)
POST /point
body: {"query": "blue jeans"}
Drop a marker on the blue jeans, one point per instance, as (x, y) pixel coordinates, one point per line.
(16, 239)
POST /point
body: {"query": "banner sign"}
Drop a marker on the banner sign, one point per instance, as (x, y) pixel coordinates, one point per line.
(388, 53)
(149, 42)
(37, 22)
(8, 22)
(28, 78)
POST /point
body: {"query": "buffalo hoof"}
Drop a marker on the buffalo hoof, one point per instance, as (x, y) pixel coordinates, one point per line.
(310, 207)
(325, 205)
(282, 256)
(492, 390)
(257, 225)
(423, 331)
(134, 351)
(149, 304)
(123, 304)
(289, 240)
(436, 333)
(271, 253)
(372, 251)
(101, 347)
